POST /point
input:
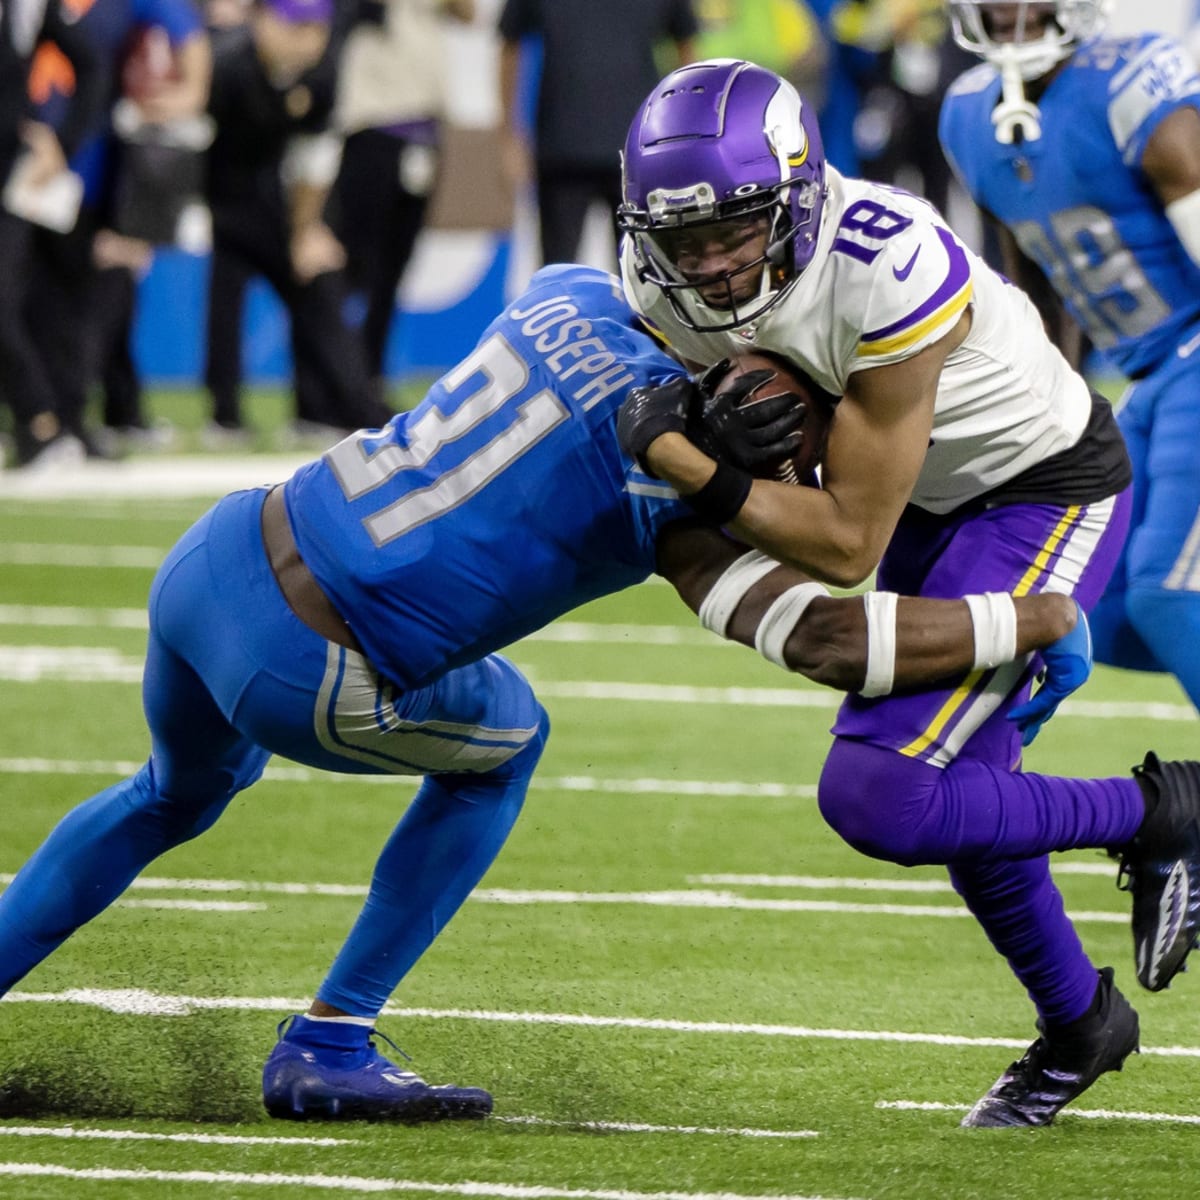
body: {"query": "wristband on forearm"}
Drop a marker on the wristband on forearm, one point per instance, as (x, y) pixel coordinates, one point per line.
(722, 497)
(994, 617)
(717, 608)
(780, 620)
(881, 643)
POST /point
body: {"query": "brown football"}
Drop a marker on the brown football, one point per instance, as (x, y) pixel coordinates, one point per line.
(787, 376)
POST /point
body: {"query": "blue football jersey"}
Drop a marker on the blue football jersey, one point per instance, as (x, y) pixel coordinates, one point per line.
(503, 499)
(1076, 198)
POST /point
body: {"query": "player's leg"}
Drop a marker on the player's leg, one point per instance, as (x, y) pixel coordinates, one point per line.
(951, 750)
(482, 729)
(943, 761)
(198, 763)
(476, 733)
(1162, 600)
(1115, 641)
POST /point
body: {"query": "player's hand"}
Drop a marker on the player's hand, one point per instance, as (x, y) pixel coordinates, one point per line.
(1068, 663)
(755, 434)
(649, 412)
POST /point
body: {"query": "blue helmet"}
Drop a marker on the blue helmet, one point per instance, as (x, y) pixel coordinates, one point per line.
(723, 141)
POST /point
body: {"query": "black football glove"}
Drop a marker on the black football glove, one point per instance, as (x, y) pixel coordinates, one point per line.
(756, 434)
(649, 412)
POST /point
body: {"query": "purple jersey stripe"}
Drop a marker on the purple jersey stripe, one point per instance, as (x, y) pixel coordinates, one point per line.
(956, 279)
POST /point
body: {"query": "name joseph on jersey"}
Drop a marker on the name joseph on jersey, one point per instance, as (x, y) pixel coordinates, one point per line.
(569, 347)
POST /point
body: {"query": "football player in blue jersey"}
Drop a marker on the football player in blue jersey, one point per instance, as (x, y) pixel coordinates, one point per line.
(1084, 152)
(965, 458)
(350, 619)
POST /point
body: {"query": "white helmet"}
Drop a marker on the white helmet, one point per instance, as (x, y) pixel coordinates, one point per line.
(1023, 40)
(1072, 22)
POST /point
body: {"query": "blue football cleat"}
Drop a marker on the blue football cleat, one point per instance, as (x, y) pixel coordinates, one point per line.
(303, 1083)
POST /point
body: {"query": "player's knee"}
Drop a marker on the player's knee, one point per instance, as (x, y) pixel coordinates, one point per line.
(187, 802)
(873, 799)
(525, 762)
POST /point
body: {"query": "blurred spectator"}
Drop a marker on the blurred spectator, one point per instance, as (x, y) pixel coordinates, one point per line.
(391, 100)
(852, 66)
(782, 35)
(133, 171)
(33, 176)
(271, 166)
(895, 131)
(598, 63)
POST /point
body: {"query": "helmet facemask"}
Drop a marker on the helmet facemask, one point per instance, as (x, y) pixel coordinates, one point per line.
(669, 240)
(1028, 47)
(722, 154)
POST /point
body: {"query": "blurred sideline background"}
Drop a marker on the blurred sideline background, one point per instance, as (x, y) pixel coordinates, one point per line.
(478, 249)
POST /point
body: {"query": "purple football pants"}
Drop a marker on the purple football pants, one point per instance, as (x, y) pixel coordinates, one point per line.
(934, 776)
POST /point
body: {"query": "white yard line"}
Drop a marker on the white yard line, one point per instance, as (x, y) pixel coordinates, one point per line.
(75, 1132)
(547, 783)
(86, 664)
(631, 1127)
(358, 1183)
(57, 554)
(142, 1002)
(62, 616)
(153, 477)
(726, 901)
(1091, 1114)
(824, 883)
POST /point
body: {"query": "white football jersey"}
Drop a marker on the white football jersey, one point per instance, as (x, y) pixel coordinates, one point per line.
(888, 279)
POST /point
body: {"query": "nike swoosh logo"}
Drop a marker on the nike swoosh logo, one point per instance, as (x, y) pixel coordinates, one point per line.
(902, 273)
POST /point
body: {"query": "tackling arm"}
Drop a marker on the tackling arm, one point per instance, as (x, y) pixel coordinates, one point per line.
(831, 641)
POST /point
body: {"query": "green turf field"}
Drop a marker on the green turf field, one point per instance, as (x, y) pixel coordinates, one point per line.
(676, 981)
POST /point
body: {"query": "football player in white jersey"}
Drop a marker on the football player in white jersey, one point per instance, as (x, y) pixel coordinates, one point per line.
(965, 458)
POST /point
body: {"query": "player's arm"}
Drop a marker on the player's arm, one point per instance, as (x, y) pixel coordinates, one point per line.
(1171, 162)
(877, 642)
(876, 448)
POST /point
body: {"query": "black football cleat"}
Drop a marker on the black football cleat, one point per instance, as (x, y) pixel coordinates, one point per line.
(1160, 867)
(1060, 1066)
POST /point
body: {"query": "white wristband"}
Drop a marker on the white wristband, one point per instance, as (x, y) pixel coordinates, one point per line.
(881, 643)
(781, 618)
(717, 608)
(1184, 215)
(994, 617)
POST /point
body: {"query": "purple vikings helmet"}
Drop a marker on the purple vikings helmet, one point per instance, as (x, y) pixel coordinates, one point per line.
(723, 141)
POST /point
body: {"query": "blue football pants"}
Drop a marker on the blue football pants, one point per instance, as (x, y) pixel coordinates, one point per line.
(232, 676)
(1149, 617)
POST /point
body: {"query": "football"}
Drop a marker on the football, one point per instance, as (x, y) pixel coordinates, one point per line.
(786, 377)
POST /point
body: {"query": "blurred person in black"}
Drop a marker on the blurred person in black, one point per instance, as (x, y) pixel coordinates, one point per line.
(270, 169)
(83, 289)
(392, 87)
(598, 62)
(24, 25)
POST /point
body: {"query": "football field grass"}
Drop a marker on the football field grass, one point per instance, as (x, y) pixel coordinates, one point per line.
(676, 981)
